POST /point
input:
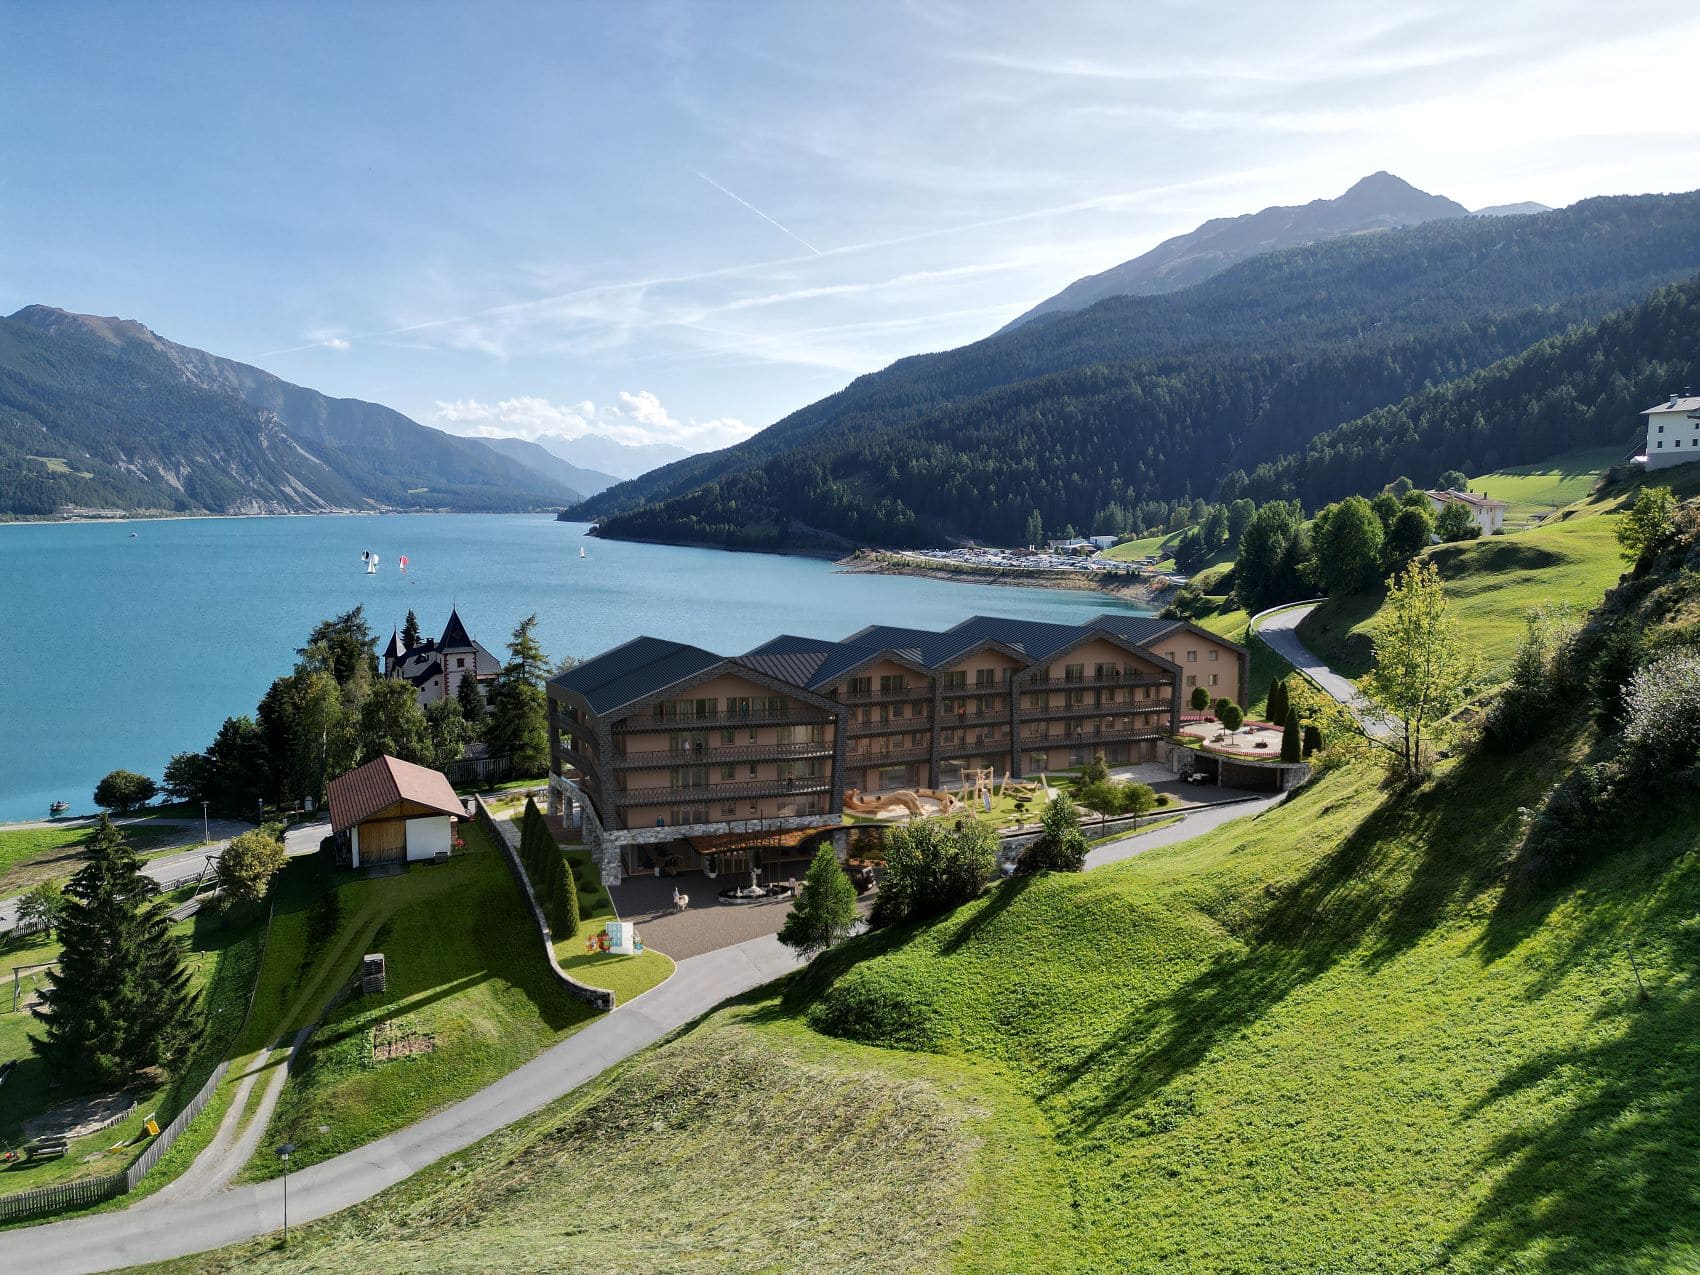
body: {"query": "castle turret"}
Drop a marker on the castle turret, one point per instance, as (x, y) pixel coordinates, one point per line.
(393, 652)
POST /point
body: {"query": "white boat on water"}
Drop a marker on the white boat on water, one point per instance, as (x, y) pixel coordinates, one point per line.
(371, 561)
(581, 552)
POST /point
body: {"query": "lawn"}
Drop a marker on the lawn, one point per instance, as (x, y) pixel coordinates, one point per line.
(1492, 584)
(1144, 547)
(467, 989)
(29, 856)
(625, 976)
(1548, 485)
(223, 957)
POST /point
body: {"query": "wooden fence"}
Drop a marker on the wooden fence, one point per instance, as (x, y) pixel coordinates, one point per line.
(62, 1195)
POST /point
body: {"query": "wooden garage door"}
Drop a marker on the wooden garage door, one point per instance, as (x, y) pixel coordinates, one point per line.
(383, 841)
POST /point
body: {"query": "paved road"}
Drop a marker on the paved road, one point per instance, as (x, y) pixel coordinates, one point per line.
(1193, 825)
(1280, 632)
(135, 1236)
(174, 867)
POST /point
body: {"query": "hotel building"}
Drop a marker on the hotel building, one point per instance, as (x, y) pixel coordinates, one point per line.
(659, 748)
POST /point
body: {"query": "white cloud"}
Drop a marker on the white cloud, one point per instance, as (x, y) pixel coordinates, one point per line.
(634, 418)
(336, 343)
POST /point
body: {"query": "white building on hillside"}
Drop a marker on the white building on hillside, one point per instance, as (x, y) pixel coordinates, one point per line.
(1673, 432)
(1487, 514)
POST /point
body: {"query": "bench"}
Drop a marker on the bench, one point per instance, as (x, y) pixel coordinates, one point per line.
(47, 1149)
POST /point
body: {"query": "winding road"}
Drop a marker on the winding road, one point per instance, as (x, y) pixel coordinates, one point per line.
(1279, 629)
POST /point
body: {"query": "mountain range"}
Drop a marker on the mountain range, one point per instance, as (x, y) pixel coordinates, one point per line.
(1380, 201)
(1111, 414)
(103, 415)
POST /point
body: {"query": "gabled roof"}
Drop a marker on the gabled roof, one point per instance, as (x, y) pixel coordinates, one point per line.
(1675, 403)
(1468, 498)
(385, 782)
(633, 671)
(1034, 638)
(1138, 629)
(454, 632)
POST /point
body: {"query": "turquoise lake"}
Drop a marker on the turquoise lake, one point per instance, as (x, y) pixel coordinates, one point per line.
(121, 649)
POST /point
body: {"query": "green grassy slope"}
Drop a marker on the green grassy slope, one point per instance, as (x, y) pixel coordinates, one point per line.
(1324, 1040)
(465, 972)
(1548, 485)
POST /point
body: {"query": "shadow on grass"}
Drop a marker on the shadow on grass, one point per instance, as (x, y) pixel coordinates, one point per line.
(1400, 873)
(1613, 1171)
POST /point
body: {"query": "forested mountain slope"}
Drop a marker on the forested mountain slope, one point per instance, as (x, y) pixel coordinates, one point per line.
(104, 414)
(1585, 388)
(1087, 416)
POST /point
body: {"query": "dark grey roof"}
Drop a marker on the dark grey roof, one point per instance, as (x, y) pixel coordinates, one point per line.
(393, 649)
(454, 632)
(634, 671)
(1034, 638)
(1135, 628)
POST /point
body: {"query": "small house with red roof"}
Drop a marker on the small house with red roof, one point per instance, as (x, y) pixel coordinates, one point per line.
(391, 811)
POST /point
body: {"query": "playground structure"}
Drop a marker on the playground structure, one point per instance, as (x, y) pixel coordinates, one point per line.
(27, 983)
(978, 790)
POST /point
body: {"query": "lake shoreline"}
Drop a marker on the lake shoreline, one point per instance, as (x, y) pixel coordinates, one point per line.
(13, 520)
(884, 562)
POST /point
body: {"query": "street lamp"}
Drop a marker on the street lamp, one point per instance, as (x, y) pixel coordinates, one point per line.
(283, 1153)
(206, 824)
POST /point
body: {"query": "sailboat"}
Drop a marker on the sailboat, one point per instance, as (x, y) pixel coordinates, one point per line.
(371, 561)
(581, 552)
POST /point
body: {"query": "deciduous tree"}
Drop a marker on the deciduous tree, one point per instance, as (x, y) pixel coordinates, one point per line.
(247, 866)
(1649, 525)
(1422, 665)
(124, 790)
(932, 866)
(1061, 846)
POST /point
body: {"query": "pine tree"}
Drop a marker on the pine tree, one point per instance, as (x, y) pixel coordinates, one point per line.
(471, 700)
(1279, 701)
(826, 912)
(120, 1001)
(410, 631)
(1291, 740)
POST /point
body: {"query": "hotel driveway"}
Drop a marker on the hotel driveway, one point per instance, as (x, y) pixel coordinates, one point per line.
(708, 924)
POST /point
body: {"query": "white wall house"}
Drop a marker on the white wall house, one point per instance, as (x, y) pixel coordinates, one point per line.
(1487, 514)
(1673, 432)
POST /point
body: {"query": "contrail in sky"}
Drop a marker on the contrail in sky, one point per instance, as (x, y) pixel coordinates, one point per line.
(758, 212)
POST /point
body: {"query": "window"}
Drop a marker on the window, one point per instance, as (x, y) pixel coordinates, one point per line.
(956, 678)
(1212, 679)
(728, 772)
(1191, 680)
(1192, 657)
(1169, 656)
(896, 711)
(985, 677)
(752, 770)
(860, 685)
(1074, 673)
(728, 736)
(728, 810)
(1213, 655)
(890, 682)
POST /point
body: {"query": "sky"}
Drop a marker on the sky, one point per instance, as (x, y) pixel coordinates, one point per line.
(677, 222)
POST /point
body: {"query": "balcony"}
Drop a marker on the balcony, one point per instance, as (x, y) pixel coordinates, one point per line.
(1154, 708)
(724, 792)
(898, 726)
(970, 747)
(919, 752)
(663, 757)
(754, 717)
(885, 697)
(1087, 736)
(1077, 683)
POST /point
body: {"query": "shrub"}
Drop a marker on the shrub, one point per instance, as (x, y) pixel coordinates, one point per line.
(1095, 771)
(1312, 740)
(247, 866)
(932, 866)
(1200, 699)
(1564, 834)
(1279, 701)
(124, 790)
(1649, 526)
(1061, 847)
(1610, 658)
(1290, 741)
(1661, 721)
